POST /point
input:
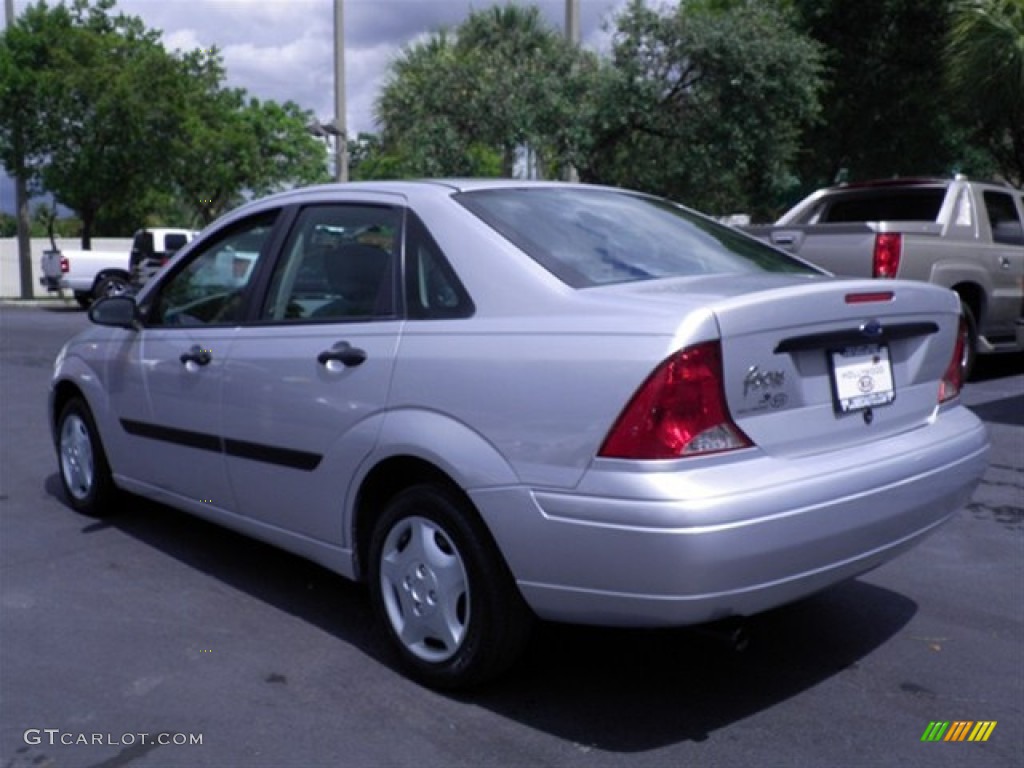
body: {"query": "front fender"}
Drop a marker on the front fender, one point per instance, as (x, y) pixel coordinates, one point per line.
(73, 372)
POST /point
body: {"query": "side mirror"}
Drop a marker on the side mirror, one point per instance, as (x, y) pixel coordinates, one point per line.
(116, 312)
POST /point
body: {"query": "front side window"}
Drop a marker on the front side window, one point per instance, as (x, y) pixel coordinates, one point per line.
(589, 237)
(209, 289)
(339, 265)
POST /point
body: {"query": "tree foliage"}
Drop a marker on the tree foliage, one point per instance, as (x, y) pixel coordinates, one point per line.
(986, 78)
(240, 144)
(706, 103)
(502, 80)
(887, 112)
(122, 128)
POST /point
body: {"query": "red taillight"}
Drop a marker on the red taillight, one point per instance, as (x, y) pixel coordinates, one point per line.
(888, 248)
(679, 411)
(65, 265)
(953, 379)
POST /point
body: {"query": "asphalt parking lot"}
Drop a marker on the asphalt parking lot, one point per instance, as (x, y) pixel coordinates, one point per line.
(124, 642)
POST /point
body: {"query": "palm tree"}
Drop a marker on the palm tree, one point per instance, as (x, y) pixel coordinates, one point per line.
(986, 74)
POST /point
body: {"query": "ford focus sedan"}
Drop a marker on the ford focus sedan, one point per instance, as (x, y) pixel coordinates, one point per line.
(493, 401)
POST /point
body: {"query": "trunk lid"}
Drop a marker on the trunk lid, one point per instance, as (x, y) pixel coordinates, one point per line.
(834, 363)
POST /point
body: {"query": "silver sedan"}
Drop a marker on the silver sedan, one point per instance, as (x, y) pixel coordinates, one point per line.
(494, 401)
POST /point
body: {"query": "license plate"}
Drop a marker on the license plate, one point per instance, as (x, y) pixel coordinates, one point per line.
(862, 377)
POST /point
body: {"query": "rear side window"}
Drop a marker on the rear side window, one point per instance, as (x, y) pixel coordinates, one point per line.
(174, 242)
(432, 289)
(588, 237)
(1003, 218)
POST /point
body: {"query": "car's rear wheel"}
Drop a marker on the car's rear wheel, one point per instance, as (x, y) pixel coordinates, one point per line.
(84, 471)
(442, 590)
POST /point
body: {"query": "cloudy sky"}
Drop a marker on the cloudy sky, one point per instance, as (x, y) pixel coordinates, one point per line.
(283, 49)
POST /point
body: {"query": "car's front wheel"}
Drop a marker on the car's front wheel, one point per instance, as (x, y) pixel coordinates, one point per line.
(442, 590)
(84, 471)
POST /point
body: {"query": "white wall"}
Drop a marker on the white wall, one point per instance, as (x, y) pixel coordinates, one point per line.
(10, 280)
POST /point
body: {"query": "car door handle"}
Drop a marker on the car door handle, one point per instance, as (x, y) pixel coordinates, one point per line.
(196, 355)
(344, 353)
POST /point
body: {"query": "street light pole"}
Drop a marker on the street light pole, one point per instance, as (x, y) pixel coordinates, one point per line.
(341, 160)
(572, 21)
(572, 34)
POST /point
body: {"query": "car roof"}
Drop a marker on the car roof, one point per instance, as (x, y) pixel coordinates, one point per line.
(405, 190)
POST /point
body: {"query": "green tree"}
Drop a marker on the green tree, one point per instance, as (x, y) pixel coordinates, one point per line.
(502, 80)
(284, 153)
(8, 225)
(122, 130)
(422, 108)
(113, 103)
(26, 50)
(243, 145)
(886, 109)
(29, 49)
(370, 158)
(986, 76)
(705, 103)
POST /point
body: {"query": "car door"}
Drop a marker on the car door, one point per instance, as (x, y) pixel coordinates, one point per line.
(1006, 264)
(177, 361)
(306, 382)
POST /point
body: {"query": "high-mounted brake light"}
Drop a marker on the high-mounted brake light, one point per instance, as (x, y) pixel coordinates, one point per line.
(869, 298)
(886, 258)
(679, 411)
(953, 379)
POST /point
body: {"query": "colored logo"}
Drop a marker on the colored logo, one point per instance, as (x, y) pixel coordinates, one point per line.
(958, 730)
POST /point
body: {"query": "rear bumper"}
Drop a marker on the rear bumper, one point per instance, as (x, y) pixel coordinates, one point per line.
(663, 548)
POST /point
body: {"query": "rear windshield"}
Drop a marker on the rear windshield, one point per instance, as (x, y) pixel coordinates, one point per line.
(588, 237)
(890, 205)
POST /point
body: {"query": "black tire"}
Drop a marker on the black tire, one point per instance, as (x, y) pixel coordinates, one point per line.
(970, 356)
(83, 299)
(111, 285)
(83, 468)
(443, 592)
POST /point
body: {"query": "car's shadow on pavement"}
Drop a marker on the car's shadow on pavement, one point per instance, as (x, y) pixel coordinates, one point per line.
(990, 367)
(632, 691)
(612, 689)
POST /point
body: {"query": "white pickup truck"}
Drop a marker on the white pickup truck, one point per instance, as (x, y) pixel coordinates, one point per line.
(964, 235)
(90, 275)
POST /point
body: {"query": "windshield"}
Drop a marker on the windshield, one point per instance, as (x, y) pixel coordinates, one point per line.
(589, 236)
